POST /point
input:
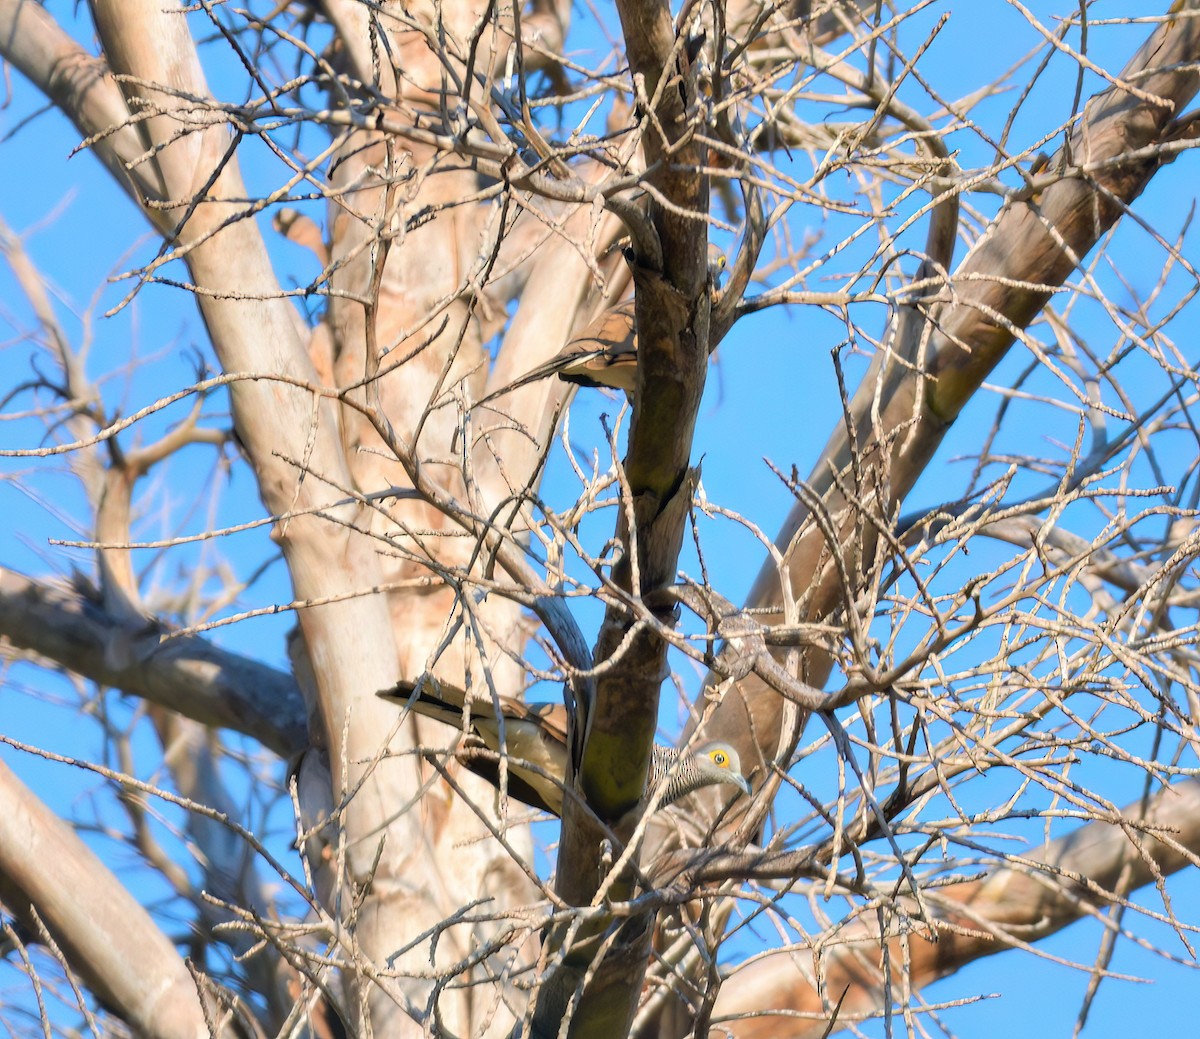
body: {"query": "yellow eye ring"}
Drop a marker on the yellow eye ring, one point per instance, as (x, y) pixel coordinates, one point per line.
(719, 757)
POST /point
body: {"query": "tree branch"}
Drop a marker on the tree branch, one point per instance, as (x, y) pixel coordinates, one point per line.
(1037, 896)
(109, 939)
(906, 403)
(184, 673)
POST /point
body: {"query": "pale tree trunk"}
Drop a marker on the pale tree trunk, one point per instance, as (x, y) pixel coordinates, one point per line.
(101, 930)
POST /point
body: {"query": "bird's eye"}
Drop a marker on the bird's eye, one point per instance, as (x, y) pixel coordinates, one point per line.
(719, 757)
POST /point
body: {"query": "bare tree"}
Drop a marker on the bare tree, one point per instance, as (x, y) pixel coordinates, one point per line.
(917, 679)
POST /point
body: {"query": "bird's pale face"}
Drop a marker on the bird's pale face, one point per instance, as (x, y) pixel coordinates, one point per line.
(721, 762)
(716, 267)
(716, 260)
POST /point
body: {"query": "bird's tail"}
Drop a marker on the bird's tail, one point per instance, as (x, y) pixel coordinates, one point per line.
(413, 696)
(542, 371)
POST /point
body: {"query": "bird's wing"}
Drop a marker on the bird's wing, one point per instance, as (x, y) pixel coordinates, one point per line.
(533, 737)
(445, 702)
(604, 353)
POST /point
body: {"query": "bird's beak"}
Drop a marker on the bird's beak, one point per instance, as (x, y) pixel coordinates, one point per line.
(742, 783)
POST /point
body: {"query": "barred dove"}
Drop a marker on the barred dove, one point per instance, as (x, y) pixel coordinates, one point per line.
(535, 737)
(605, 351)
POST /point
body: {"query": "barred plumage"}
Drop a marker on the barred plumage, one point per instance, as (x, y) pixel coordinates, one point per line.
(535, 745)
(703, 766)
(604, 353)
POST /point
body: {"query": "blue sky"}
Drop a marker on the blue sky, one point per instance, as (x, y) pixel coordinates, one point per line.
(771, 399)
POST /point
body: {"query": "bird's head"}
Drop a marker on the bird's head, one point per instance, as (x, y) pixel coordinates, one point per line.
(716, 265)
(721, 764)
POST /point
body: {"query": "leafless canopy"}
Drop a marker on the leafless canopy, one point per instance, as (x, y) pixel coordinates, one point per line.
(963, 685)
